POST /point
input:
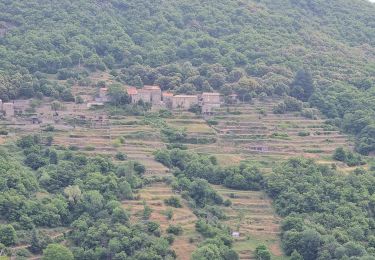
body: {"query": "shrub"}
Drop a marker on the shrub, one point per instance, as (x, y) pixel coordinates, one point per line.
(169, 214)
(212, 122)
(262, 253)
(173, 202)
(121, 156)
(175, 230)
(303, 133)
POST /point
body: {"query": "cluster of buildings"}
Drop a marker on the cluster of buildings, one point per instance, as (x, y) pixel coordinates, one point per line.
(157, 98)
(153, 95)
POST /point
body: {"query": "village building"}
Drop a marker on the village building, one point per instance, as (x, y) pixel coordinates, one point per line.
(8, 109)
(167, 99)
(155, 94)
(133, 94)
(210, 101)
(103, 95)
(184, 101)
(149, 94)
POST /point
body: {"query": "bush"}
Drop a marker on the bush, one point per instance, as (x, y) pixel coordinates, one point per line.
(262, 253)
(175, 230)
(212, 122)
(227, 203)
(121, 156)
(7, 235)
(303, 133)
(173, 202)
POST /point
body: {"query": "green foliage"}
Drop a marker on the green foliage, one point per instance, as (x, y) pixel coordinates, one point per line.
(195, 46)
(57, 252)
(175, 230)
(289, 104)
(319, 212)
(118, 95)
(173, 202)
(7, 235)
(302, 86)
(350, 158)
(195, 165)
(303, 133)
(76, 192)
(121, 156)
(262, 253)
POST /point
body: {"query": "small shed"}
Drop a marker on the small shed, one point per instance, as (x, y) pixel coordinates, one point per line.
(235, 234)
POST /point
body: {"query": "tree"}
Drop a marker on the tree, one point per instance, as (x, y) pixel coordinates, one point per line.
(296, 256)
(73, 193)
(38, 242)
(303, 86)
(262, 253)
(118, 95)
(207, 252)
(57, 252)
(8, 235)
(173, 202)
(339, 154)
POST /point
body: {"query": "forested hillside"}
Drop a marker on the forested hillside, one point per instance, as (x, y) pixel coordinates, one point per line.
(247, 47)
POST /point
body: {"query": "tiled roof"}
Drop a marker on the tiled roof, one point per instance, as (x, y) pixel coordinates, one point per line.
(186, 96)
(211, 94)
(168, 94)
(152, 87)
(132, 91)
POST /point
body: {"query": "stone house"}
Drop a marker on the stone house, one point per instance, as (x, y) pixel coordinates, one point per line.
(103, 95)
(167, 99)
(133, 94)
(212, 98)
(155, 94)
(210, 101)
(8, 109)
(184, 101)
(150, 94)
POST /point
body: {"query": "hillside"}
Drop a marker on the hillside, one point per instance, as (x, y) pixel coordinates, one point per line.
(278, 165)
(247, 47)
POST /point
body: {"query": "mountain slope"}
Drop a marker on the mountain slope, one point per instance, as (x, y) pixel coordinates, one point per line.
(246, 46)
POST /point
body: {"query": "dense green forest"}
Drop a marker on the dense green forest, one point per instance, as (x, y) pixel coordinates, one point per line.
(41, 187)
(248, 47)
(328, 215)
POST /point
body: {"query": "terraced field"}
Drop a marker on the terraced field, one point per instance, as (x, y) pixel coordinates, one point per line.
(241, 133)
(253, 133)
(118, 134)
(251, 214)
(154, 196)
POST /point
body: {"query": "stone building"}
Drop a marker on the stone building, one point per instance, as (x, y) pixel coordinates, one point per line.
(150, 94)
(155, 94)
(8, 109)
(184, 101)
(210, 101)
(133, 94)
(167, 99)
(103, 95)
